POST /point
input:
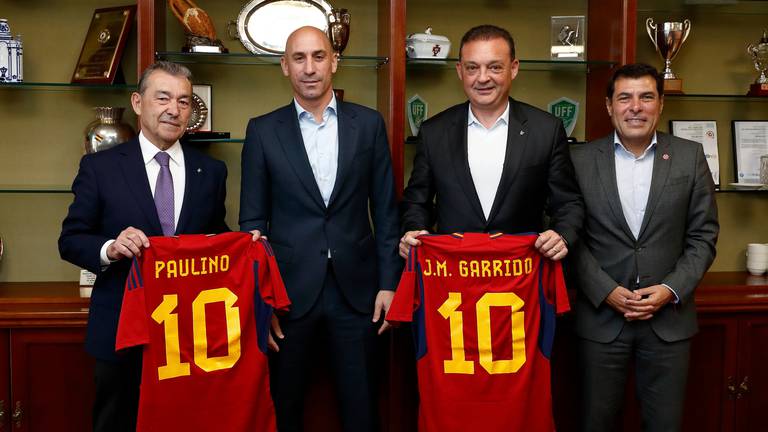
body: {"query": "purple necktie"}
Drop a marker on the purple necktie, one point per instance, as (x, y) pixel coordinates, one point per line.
(164, 195)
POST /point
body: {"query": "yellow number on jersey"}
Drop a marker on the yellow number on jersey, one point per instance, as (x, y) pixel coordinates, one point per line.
(458, 362)
(164, 314)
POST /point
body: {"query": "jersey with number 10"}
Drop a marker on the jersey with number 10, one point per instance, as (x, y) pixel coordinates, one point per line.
(484, 310)
(201, 307)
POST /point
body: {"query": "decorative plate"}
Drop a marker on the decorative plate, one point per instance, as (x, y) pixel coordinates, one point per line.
(263, 26)
(199, 113)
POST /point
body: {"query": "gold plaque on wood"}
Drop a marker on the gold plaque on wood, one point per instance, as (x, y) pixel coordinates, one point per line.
(103, 47)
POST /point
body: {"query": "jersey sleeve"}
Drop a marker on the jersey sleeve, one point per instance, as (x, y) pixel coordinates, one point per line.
(132, 329)
(408, 294)
(271, 286)
(554, 286)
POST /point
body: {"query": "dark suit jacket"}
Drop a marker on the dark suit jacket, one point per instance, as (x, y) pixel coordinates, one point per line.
(676, 244)
(280, 197)
(112, 193)
(537, 176)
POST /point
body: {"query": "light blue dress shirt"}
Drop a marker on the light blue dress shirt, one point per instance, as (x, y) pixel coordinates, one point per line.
(321, 141)
(633, 178)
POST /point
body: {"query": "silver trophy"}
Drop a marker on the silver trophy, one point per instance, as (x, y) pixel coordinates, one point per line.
(668, 39)
(11, 55)
(759, 53)
(338, 29)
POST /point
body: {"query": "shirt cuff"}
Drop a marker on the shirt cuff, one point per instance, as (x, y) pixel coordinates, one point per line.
(677, 299)
(105, 261)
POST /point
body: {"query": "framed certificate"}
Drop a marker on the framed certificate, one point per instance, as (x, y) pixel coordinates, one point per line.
(750, 141)
(102, 50)
(704, 132)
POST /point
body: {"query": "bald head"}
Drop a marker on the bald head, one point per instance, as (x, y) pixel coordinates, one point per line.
(304, 35)
(309, 62)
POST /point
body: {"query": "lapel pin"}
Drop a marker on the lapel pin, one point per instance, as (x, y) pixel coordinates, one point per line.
(522, 132)
(665, 156)
(199, 170)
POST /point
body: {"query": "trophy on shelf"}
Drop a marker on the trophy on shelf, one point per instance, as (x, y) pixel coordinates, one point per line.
(759, 53)
(11, 64)
(198, 27)
(338, 29)
(567, 37)
(668, 39)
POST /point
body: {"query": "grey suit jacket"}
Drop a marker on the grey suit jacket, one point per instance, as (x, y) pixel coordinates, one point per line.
(676, 244)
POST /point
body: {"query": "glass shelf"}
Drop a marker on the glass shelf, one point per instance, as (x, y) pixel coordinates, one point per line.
(258, 59)
(731, 189)
(34, 189)
(715, 97)
(531, 65)
(65, 86)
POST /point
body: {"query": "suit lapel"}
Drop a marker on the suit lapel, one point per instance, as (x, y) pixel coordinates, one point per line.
(193, 175)
(456, 136)
(661, 164)
(347, 133)
(135, 173)
(289, 135)
(517, 137)
(606, 170)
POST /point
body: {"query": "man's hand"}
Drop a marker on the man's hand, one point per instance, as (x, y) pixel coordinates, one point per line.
(618, 298)
(128, 244)
(381, 307)
(651, 299)
(278, 333)
(551, 245)
(409, 239)
(257, 235)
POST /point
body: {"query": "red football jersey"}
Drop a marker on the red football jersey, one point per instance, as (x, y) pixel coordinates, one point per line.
(484, 310)
(201, 306)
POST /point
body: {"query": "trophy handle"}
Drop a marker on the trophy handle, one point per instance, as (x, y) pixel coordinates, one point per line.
(650, 25)
(232, 29)
(686, 30)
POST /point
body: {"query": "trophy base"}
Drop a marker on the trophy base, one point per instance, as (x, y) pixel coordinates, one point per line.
(758, 90)
(200, 44)
(673, 86)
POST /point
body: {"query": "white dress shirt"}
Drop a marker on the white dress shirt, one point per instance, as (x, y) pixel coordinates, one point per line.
(321, 141)
(486, 150)
(175, 164)
(633, 178)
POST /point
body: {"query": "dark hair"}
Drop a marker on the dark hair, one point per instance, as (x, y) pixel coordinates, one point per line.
(174, 69)
(636, 70)
(487, 32)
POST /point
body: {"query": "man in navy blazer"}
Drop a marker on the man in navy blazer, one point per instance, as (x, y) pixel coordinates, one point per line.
(313, 173)
(114, 213)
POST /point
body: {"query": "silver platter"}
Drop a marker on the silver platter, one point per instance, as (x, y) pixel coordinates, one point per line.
(263, 26)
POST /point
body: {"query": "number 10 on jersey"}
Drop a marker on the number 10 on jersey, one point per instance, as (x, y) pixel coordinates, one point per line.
(458, 363)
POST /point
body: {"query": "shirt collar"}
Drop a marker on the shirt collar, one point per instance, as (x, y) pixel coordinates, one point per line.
(618, 145)
(504, 117)
(300, 109)
(149, 150)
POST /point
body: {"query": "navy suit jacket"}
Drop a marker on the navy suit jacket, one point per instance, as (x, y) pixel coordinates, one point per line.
(280, 197)
(112, 193)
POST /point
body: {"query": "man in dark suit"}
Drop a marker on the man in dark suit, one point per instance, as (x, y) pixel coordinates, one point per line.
(492, 164)
(312, 173)
(649, 236)
(148, 186)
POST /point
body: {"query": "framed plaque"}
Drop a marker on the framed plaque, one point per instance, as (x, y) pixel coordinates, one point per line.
(103, 47)
(750, 141)
(704, 132)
